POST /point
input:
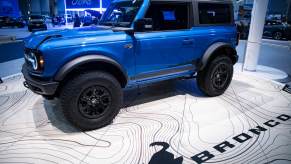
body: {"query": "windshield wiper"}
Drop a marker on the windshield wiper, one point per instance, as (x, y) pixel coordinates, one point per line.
(106, 23)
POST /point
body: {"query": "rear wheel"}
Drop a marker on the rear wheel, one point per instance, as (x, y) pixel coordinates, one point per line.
(215, 78)
(91, 100)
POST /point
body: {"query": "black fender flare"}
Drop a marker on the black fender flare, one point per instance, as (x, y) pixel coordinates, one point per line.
(71, 65)
(214, 47)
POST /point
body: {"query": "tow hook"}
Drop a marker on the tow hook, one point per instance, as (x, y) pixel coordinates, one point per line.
(25, 84)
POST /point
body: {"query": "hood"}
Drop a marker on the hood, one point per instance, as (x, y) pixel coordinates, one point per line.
(38, 38)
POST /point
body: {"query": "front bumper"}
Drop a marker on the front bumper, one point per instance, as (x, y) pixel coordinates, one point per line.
(235, 59)
(39, 86)
(38, 27)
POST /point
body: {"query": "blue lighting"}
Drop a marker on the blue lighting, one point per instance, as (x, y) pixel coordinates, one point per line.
(169, 15)
(9, 8)
(74, 4)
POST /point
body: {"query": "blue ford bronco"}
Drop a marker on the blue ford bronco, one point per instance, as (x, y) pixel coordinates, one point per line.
(135, 42)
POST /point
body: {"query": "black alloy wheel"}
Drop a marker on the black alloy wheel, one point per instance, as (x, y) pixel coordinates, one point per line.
(94, 101)
(91, 100)
(278, 35)
(220, 76)
(215, 78)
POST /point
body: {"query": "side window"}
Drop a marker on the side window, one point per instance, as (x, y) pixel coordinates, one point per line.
(169, 16)
(211, 13)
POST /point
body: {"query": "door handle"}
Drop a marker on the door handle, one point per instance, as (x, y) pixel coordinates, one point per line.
(188, 42)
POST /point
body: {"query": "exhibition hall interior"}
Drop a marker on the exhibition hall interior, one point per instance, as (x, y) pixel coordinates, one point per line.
(145, 81)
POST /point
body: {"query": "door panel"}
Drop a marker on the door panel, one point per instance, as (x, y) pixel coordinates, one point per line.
(170, 46)
(157, 51)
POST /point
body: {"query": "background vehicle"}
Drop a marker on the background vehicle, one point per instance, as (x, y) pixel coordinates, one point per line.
(58, 20)
(23, 19)
(36, 23)
(95, 17)
(68, 17)
(11, 22)
(86, 68)
(277, 30)
(90, 20)
(47, 19)
(94, 13)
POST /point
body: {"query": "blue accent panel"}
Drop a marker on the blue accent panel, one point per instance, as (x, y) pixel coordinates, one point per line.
(105, 3)
(9, 8)
(73, 4)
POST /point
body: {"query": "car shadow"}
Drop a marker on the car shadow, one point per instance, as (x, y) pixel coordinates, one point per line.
(132, 96)
(160, 90)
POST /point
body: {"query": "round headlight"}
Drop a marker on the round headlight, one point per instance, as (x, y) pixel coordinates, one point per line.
(32, 60)
(34, 63)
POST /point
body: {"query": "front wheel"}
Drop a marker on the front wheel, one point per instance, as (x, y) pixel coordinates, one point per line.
(91, 100)
(215, 78)
(278, 35)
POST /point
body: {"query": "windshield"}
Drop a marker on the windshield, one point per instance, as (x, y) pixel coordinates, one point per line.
(121, 14)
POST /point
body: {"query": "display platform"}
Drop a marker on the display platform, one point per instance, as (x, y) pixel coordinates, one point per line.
(168, 122)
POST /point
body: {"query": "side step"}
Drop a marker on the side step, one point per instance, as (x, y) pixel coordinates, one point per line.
(193, 76)
(287, 89)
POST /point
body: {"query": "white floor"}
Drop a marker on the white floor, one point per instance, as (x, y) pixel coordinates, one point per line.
(172, 113)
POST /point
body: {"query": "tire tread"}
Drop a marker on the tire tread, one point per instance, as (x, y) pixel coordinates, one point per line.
(69, 90)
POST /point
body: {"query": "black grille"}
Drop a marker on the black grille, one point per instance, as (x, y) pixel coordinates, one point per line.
(37, 23)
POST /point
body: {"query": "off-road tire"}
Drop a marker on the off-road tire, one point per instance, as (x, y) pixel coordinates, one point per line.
(205, 76)
(71, 93)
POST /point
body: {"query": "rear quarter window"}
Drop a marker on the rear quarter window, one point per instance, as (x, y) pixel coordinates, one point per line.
(212, 13)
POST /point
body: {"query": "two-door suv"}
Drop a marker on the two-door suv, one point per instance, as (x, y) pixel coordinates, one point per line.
(135, 42)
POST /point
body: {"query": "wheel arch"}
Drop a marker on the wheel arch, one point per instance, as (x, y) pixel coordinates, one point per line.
(217, 49)
(92, 62)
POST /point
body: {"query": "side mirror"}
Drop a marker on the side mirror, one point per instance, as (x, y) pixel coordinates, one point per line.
(145, 24)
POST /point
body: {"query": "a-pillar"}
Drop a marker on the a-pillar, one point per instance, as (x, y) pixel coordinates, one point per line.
(255, 34)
